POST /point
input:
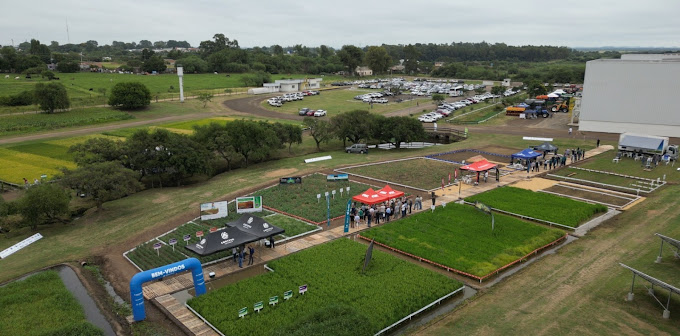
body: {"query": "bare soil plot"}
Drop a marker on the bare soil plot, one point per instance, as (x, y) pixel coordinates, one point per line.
(602, 197)
(497, 154)
(417, 173)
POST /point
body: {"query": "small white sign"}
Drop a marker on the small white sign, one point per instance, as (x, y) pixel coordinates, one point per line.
(347, 189)
(18, 246)
(326, 194)
(432, 207)
(537, 139)
(333, 192)
(443, 204)
(321, 158)
(318, 195)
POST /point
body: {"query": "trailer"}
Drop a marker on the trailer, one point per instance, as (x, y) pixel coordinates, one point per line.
(647, 144)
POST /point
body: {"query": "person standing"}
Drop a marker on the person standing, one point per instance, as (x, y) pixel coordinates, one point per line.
(570, 130)
(398, 209)
(410, 205)
(361, 216)
(251, 251)
(240, 258)
(371, 213)
(234, 253)
(598, 142)
(357, 219)
(388, 212)
(404, 206)
(271, 242)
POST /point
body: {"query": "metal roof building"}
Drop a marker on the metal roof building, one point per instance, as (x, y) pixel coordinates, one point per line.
(637, 93)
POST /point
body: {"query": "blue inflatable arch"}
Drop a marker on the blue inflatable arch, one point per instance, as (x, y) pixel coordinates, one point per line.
(136, 295)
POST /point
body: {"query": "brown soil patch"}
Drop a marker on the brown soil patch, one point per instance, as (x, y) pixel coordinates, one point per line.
(590, 195)
(281, 172)
(476, 158)
(161, 199)
(535, 184)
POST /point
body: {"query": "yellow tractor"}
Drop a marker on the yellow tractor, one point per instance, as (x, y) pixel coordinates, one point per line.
(561, 106)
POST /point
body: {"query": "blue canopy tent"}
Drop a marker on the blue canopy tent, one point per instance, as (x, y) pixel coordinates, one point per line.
(527, 154)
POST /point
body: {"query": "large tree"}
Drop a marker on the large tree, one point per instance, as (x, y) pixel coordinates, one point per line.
(43, 204)
(351, 57)
(130, 95)
(402, 129)
(154, 63)
(193, 64)
(320, 130)
(51, 97)
(411, 55)
(216, 138)
(97, 150)
(353, 126)
(378, 60)
(102, 181)
(255, 141)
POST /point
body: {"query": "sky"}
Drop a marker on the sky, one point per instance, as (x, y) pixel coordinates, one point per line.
(574, 23)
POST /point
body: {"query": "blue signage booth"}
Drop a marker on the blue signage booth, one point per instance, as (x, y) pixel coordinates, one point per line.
(136, 295)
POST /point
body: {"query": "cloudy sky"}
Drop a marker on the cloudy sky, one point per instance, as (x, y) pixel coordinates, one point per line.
(574, 23)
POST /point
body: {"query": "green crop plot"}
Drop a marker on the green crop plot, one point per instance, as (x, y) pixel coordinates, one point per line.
(460, 237)
(41, 305)
(25, 123)
(300, 199)
(390, 289)
(539, 205)
(147, 258)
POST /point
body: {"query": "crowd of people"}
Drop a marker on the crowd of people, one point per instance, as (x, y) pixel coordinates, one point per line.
(383, 212)
(557, 160)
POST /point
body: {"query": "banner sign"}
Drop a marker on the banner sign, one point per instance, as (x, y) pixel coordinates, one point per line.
(157, 246)
(213, 229)
(258, 306)
(287, 295)
(172, 241)
(214, 210)
(273, 300)
(369, 255)
(243, 312)
(18, 246)
(337, 177)
(249, 204)
(199, 233)
(290, 180)
(303, 289)
(347, 211)
(483, 207)
(187, 237)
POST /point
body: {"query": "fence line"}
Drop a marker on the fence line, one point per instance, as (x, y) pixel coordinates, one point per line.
(557, 177)
(527, 217)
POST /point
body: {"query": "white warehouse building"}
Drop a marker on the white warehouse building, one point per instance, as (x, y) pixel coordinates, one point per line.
(637, 93)
(288, 85)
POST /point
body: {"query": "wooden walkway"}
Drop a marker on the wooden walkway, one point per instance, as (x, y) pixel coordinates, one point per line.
(161, 290)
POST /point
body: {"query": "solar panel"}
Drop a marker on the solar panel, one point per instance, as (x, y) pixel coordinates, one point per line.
(652, 279)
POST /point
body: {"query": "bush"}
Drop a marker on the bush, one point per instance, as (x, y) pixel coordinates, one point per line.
(256, 79)
(22, 98)
(130, 95)
(68, 66)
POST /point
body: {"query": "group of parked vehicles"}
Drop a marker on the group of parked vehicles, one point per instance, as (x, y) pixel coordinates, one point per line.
(374, 97)
(278, 101)
(446, 109)
(311, 113)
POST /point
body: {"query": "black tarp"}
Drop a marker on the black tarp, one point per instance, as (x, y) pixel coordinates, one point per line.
(221, 240)
(256, 226)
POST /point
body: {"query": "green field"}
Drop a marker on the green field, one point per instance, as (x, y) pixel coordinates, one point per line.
(390, 289)
(339, 101)
(26, 123)
(460, 237)
(476, 117)
(33, 159)
(420, 173)
(300, 199)
(189, 125)
(556, 209)
(41, 305)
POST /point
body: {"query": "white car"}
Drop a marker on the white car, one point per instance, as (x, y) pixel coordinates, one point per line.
(426, 119)
(320, 113)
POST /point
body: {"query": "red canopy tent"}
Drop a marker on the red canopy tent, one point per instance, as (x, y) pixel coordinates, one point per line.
(389, 193)
(369, 197)
(479, 166)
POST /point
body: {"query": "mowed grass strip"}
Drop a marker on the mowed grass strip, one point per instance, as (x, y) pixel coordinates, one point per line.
(300, 199)
(390, 289)
(189, 125)
(420, 173)
(553, 208)
(460, 237)
(41, 305)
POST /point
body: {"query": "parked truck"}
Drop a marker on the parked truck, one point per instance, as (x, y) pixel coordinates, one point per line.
(647, 144)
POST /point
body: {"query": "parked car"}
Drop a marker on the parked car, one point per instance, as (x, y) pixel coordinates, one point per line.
(320, 113)
(357, 148)
(310, 113)
(303, 111)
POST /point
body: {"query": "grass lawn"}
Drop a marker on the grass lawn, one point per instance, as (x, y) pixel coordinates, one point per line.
(539, 205)
(390, 289)
(339, 101)
(28, 123)
(300, 199)
(420, 173)
(476, 117)
(113, 227)
(584, 282)
(460, 236)
(41, 305)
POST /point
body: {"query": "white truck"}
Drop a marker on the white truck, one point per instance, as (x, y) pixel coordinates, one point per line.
(647, 144)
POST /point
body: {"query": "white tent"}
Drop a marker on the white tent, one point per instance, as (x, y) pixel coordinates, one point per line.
(553, 95)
